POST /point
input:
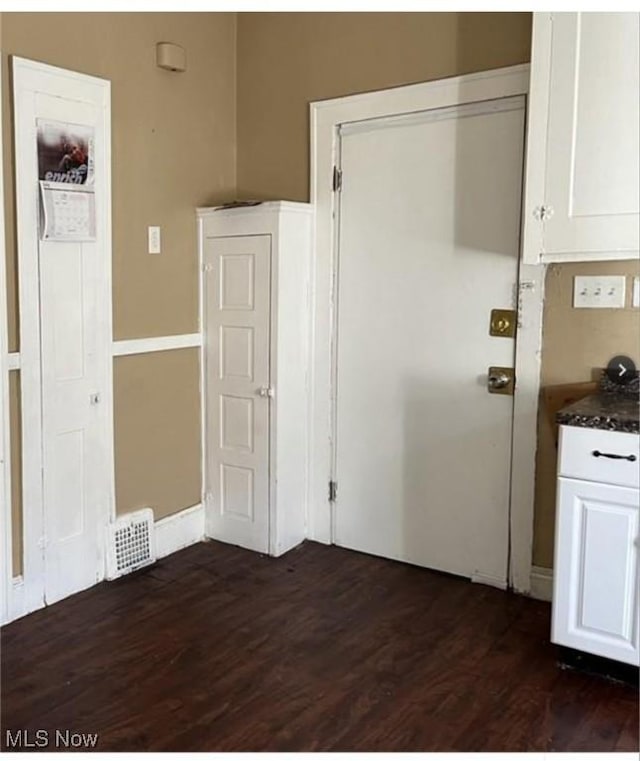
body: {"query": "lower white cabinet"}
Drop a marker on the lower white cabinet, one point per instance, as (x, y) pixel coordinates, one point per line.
(595, 600)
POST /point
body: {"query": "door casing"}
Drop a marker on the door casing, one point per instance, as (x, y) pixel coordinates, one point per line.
(6, 570)
(81, 87)
(326, 117)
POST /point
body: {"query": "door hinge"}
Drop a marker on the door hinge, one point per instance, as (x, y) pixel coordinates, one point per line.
(337, 179)
(541, 213)
(333, 491)
(207, 267)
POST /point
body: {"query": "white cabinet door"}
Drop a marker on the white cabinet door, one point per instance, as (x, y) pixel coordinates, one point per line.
(237, 316)
(583, 157)
(595, 601)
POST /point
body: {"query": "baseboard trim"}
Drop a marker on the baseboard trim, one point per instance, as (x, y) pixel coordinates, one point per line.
(490, 581)
(542, 583)
(180, 530)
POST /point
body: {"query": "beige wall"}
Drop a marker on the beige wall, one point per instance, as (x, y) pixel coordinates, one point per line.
(286, 60)
(16, 476)
(157, 434)
(575, 343)
(173, 146)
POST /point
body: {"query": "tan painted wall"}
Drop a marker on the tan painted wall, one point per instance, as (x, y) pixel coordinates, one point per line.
(576, 342)
(286, 60)
(16, 476)
(173, 148)
(157, 430)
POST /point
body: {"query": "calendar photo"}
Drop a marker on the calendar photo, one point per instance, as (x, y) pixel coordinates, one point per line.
(65, 153)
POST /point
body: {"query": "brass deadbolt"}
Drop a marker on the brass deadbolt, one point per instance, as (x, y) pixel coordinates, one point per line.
(503, 323)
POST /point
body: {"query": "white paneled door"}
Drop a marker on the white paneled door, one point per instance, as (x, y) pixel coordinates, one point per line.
(429, 228)
(72, 391)
(65, 337)
(237, 315)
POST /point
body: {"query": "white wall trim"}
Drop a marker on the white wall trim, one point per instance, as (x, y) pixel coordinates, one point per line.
(203, 361)
(27, 77)
(16, 602)
(326, 116)
(13, 360)
(525, 422)
(542, 583)
(490, 581)
(6, 560)
(130, 346)
(180, 530)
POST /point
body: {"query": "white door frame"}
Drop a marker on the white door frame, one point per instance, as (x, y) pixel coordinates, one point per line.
(326, 117)
(95, 91)
(6, 564)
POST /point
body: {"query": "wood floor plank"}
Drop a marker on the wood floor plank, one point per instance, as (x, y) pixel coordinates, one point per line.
(217, 648)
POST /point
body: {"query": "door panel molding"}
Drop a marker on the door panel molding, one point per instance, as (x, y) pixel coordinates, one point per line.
(326, 117)
(29, 78)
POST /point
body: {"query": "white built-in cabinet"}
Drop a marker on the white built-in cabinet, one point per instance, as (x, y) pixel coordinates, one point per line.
(582, 169)
(256, 263)
(596, 590)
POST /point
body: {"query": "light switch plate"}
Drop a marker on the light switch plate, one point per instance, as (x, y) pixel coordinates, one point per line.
(599, 292)
(636, 292)
(154, 240)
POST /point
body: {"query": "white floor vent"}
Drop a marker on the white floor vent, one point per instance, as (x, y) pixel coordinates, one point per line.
(131, 543)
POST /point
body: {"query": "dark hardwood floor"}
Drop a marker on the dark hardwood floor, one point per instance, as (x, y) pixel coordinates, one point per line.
(216, 648)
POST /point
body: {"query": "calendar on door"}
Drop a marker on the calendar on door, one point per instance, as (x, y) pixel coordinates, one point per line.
(68, 213)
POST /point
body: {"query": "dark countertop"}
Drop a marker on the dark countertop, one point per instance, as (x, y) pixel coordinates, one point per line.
(608, 411)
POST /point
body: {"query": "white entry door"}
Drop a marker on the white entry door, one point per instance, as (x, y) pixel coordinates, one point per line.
(65, 334)
(429, 227)
(237, 326)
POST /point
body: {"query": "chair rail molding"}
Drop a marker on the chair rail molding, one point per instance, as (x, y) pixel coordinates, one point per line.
(126, 347)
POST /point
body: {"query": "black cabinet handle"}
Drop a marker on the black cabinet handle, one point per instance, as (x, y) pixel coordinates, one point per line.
(630, 457)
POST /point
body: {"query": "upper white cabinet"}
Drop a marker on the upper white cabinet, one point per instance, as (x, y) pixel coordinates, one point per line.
(583, 176)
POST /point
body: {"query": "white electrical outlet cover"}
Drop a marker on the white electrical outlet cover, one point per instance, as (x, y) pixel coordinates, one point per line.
(599, 291)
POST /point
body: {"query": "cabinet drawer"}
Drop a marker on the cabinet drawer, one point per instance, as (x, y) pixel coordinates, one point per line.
(583, 455)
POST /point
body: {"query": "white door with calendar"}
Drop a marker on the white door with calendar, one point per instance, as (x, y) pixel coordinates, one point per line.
(62, 138)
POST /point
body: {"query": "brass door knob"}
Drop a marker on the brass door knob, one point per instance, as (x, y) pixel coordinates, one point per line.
(499, 380)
